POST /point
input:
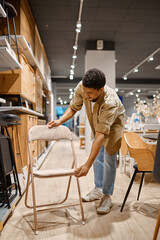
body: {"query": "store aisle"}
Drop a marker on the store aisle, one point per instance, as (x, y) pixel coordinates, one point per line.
(136, 222)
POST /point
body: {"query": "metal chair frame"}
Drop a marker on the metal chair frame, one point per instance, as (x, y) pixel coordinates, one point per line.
(33, 174)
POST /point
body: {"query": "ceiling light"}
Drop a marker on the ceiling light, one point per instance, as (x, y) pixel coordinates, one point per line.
(75, 47)
(71, 77)
(154, 95)
(78, 30)
(158, 67)
(124, 78)
(65, 102)
(139, 90)
(70, 89)
(71, 72)
(137, 95)
(116, 89)
(78, 24)
(151, 58)
(131, 93)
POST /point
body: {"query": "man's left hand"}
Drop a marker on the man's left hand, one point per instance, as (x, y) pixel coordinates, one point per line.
(82, 171)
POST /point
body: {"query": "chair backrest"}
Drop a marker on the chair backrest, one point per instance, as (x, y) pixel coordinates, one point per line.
(139, 151)
(156, 168)
(124, 148)
(43, 132)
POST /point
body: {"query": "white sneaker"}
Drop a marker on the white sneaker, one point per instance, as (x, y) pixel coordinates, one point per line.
(95, 194)
(105, 205)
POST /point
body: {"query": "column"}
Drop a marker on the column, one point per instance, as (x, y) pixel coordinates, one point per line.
(101, 55)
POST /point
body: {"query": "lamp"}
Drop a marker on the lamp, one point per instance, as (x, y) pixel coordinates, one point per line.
(75, 46)
(135, 69)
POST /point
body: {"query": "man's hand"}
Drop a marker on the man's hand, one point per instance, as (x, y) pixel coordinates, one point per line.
(54, 123)
(82, 171)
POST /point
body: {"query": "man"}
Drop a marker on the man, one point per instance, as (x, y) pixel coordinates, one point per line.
(106, 117)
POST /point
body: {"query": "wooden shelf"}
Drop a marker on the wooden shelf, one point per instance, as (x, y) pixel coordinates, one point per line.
(2, 12)
(7, 60)
(16, 109)
(27, 51)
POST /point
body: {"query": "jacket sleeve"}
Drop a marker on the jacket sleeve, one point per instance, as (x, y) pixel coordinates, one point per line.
(77, 100)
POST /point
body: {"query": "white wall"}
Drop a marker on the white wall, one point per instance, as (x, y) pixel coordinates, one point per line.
(104, 61)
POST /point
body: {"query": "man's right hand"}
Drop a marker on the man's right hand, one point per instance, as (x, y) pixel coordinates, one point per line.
(54, 123)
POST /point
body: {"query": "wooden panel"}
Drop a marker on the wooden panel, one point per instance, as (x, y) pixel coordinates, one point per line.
(27, 121)
(19, 81)
(27, 24)
(38, 92)
(38, 47)
(41, 145)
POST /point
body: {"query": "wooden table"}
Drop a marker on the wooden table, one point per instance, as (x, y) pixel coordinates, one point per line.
(151, 136)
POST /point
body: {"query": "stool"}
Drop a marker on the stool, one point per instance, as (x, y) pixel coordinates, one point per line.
(11, 13)
(9, 178)
(13, 122)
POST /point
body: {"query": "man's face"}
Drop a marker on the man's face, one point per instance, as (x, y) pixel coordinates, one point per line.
(92, 94)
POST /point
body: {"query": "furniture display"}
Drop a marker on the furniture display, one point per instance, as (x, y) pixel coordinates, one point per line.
(156, 175)
(143, 154)
(21, 85)
(57, 133)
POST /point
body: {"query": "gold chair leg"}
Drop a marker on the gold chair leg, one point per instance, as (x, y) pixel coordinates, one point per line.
(157, 227)
(80, 200)
(34, 204)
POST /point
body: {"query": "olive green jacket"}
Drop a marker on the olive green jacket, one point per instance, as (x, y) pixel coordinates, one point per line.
(108, 115)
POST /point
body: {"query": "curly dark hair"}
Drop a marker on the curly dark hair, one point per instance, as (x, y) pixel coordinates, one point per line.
(94, 78)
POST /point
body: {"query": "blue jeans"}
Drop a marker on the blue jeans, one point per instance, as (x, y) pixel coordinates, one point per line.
(104, 168)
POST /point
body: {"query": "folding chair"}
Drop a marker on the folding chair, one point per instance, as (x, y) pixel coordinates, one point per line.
(42, 132)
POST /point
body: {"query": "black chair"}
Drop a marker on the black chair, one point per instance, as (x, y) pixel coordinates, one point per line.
(156, 174)
(9, 182)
